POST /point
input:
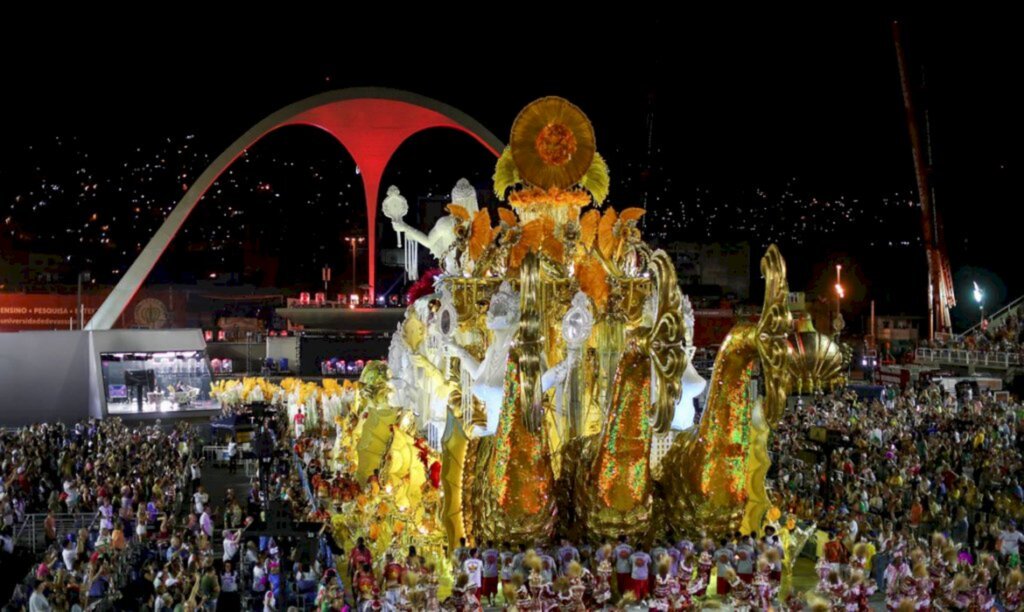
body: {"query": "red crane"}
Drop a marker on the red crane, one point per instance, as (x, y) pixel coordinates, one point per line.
(940, 279)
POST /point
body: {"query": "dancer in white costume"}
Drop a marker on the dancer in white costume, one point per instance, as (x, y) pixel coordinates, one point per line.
(693, 383)
(488, 374)
(442, 235)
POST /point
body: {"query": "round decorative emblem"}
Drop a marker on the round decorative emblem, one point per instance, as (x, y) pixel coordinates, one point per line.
(151, 313)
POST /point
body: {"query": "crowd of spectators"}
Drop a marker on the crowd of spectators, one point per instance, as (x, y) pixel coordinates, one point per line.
(898, 469)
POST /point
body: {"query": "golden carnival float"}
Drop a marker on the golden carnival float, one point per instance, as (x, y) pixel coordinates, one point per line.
(555, 349)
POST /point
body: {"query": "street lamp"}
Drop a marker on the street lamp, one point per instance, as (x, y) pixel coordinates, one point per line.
(979, 297)
(325, 275)
(354, 241)
(840, 294)
(84, 276)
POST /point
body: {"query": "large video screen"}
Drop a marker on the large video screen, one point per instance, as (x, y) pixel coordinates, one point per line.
(156, 382)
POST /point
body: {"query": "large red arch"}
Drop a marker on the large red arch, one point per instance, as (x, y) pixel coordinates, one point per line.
(371, 123)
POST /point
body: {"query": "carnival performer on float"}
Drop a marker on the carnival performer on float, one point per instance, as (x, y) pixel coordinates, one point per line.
(441, 238)
(429, 387)
(488, 374)
(693, 384)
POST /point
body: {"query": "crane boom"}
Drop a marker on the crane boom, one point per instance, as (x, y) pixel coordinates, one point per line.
(940, 279)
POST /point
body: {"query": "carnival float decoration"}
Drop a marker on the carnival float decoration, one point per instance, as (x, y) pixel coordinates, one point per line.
(556, 344)
(530, 375)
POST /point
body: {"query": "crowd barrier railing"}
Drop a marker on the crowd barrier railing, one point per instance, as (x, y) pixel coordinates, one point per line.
(966, 357)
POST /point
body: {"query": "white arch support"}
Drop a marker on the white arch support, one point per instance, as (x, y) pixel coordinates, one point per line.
(371, 144)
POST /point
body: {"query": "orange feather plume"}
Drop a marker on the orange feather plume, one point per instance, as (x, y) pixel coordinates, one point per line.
(607, 241)
(551, 246)
(508, 217)
(531, 238)
(480, 235)
(458, 212)
(631, 214)
(593, 281)
(588, 227)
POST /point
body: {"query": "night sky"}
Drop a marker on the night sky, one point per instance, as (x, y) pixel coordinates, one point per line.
(787, 132)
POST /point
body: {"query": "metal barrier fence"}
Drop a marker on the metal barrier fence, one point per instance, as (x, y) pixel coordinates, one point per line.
(965, 357)
(31, 533)
(216, 454)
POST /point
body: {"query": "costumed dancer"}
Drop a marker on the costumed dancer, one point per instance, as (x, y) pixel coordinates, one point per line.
(823, 568)
(549, 597)
(683, 595)
(704, 564)
(664, 585)
(833, 588)
(764, 593)
(922, 587)
(580, 580)
(895, 575)
(463, 598)
(859, 559)
(858, 592)
(517, 595)
(1013, 591)
(794, 603)
(984, 578)
(369, 599)
(429, 578)
(535, 581)
(684, 572)
(905, 594)
(602, 584)
(961, 596)
(562, 599)
(741, 594)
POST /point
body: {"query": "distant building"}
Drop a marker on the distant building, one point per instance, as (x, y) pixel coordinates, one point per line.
(900, 332)
(45, 268)
(722, 265)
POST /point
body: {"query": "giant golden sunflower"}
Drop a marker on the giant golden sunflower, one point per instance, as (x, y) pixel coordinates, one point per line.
(552, 143)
